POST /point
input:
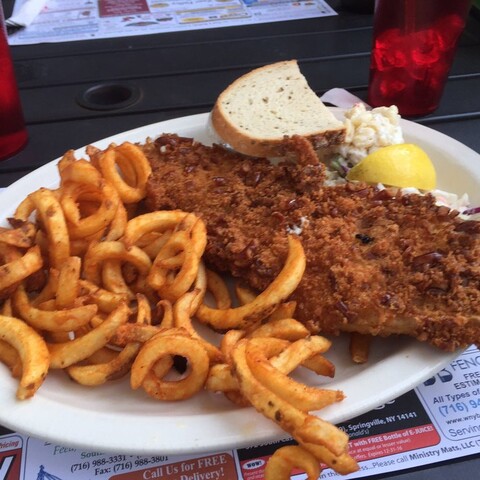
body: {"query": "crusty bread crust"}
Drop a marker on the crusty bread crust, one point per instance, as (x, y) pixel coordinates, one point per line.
(252, 142)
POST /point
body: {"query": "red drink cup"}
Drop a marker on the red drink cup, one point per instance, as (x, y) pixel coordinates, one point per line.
(13, 135)
(414, 42)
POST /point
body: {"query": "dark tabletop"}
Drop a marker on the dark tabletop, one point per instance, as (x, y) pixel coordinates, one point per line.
(176, 74)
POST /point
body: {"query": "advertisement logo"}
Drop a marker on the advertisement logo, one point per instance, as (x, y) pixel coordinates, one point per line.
(10, 464)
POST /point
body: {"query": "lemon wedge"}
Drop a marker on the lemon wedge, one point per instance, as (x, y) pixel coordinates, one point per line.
(402, 165)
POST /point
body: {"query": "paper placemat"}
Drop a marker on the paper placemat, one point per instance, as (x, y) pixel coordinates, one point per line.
(68, 20)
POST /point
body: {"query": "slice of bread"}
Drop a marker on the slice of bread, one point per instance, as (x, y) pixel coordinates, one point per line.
(258, 110)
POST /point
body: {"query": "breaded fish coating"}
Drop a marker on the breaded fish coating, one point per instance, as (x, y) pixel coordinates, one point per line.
(379, 262)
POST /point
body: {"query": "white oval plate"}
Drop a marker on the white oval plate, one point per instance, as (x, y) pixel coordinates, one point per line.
(113, 418)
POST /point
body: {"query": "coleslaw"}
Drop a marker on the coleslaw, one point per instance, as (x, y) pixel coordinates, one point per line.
(369, 130)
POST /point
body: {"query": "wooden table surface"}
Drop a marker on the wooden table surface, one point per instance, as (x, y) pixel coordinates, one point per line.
(178, 74)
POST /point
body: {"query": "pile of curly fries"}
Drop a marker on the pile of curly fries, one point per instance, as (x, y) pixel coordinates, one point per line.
(93, 286)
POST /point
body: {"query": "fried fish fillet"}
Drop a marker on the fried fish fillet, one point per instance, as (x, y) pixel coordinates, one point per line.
(378, 262)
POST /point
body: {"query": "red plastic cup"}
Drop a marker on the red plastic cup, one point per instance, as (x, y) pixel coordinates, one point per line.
(13, 134)
(414, 43)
